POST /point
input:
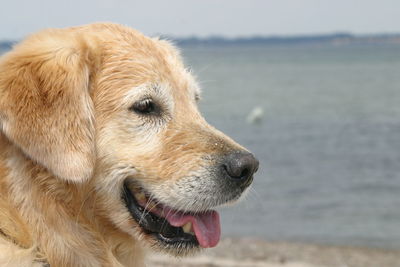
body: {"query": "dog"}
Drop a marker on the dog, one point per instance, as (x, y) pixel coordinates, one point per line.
(104, 154)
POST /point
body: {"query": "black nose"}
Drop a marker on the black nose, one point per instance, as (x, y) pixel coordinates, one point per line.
(241, 166)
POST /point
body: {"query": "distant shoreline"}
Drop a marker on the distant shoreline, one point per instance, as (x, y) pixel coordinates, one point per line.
(334, 39)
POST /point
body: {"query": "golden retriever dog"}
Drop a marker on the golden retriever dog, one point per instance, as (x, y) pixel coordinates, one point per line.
(103, 152)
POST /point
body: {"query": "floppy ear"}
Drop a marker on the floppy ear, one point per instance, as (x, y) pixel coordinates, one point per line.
(45, 106)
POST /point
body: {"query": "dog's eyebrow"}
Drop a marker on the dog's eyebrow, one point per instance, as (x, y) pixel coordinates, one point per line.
(146, 87)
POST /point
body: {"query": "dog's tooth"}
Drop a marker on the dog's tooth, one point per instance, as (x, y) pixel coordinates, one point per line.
(187, 228)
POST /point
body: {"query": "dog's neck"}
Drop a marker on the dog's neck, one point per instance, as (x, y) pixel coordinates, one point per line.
(55, 219)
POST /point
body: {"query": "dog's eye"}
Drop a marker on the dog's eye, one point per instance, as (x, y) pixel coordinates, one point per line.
(146, 106)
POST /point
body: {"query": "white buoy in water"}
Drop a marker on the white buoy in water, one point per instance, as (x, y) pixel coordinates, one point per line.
(255, 116)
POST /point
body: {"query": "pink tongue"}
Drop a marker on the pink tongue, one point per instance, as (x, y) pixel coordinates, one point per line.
(206, 225)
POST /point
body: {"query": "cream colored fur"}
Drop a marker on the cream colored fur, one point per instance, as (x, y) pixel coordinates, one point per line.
(68, 140)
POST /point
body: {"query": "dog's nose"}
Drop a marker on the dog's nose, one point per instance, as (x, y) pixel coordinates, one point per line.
(240, 167)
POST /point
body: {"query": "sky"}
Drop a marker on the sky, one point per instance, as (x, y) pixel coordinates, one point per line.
(230, 18)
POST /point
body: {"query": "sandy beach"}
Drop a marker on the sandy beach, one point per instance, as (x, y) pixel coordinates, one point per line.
(258, 253)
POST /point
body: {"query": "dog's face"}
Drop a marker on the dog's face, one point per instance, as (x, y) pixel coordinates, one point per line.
(134, 130)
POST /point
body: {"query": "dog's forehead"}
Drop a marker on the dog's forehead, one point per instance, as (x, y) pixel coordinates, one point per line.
(180, 78)
(141, 67)
(148, 61)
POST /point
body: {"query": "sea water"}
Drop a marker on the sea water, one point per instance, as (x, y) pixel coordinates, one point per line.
(328, 143)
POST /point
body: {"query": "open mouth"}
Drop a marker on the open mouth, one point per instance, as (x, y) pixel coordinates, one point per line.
(169, 226)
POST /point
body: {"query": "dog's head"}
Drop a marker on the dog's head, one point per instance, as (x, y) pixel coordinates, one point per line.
(106, 105)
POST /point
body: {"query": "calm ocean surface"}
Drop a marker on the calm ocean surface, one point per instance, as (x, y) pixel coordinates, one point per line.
(329, 142)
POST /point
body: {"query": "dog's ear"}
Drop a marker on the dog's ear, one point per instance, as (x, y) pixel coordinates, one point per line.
(45, 105)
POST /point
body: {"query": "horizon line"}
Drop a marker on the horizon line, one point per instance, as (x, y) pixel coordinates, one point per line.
(339, 36)
(283, 35)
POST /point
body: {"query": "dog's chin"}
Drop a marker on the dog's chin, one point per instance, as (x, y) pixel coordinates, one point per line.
(167, 229)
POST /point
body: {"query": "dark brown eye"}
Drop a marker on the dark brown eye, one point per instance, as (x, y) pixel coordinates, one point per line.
(146, 107)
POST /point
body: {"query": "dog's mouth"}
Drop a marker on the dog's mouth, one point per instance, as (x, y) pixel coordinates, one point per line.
(173, 228)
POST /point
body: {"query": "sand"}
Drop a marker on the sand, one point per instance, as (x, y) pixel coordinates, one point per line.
(258, 253)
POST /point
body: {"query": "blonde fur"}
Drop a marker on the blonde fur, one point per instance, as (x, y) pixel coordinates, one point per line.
(68, 140)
